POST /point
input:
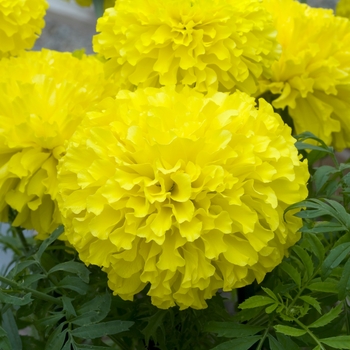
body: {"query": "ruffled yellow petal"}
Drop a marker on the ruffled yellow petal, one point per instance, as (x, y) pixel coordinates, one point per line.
(312, 76)
(44, 96)
(181, 191)
(221, 44)
(21, 22)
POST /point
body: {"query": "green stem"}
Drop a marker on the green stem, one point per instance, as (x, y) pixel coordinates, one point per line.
(34, 292)
(261, 342)
(301, 325)
(19, 232)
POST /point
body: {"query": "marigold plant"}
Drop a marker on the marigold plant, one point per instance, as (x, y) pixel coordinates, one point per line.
(181, 191)
(223, 44)
(312, 76)
(21, 22)
(44, 96)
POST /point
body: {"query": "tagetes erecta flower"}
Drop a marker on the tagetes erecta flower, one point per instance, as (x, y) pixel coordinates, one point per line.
(223, 44)
(312, 77)
(343, 8)
(44, 96)
(182, 192)
(21, 22)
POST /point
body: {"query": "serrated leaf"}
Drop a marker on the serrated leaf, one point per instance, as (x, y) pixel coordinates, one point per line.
(68, 306)
(315, 245)
(270, 293)
(74, 283)
(292, 272)
(9, 325)
(57, 338)
(154, 322)
(48, 241)
(328, 317)
(271, 308)
(4, 340)
(256, 301)
(312, 301)
(344, 282)
(239, 344)
(73, 267)
(14, 300)
(101, 329)
(274, 343)
(94, 310)
(232, 330)
(325, 287)
(291, 331)
(287, 342)
(340, 342)
(306, 260)
(334, 259)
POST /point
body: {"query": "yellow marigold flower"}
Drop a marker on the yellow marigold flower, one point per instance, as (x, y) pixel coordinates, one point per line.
(343, 8)
(312, 76)
(182, 192)
(44, 96)
(21, 22)
(224, 44)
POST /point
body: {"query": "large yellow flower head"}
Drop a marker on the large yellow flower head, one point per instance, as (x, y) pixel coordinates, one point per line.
(182, 192)
(21, 22)
(343, 8)
(44, 96)
(312, 77)
(224, 44)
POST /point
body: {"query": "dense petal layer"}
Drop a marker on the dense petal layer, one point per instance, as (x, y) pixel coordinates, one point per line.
(182, 192)
(224, 44)
(21, 22)
(44, 96)
(312, 76)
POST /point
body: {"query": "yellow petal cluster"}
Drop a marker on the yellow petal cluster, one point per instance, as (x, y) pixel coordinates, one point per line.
(44, 96)
(312, 76)
(343, 8)
(181, 191)
(220, 44)
(21, 22)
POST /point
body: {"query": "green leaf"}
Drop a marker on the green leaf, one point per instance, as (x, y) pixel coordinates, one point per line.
(13, 300)
(90, 347)
(312, 301)
(270, 293)
(238, 344)
(274, 343)
(287, 330)
(256, 301)
(74, 267)
(68, 306)
(303, 146)
(315, 246)
(4, 340)
(287, 342)
(344, 283)
(57, 338)
(306, 260)
(101, 329)
(325, 287)
(334, 259)
(48, 241)
(340, 342)
(292, 272)
(271, 308)
(74, 283)
(94, 310)
(232, 330)
(322, 182)
(153, 323)
(48, 322)
(10, 327)
(328, 317)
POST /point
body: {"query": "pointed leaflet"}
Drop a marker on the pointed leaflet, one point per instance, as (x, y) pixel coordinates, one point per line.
(305, 259)
(287, 330)
(154, 322)
(10, 327)
(238, 344)
(341, 342)
(335, 258)
(328, 317)
(256, 301)
(344, 283)
(312, 301)
(48, 241)
(292, 272)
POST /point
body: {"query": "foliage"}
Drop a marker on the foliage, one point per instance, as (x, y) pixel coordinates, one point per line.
(51, 300)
